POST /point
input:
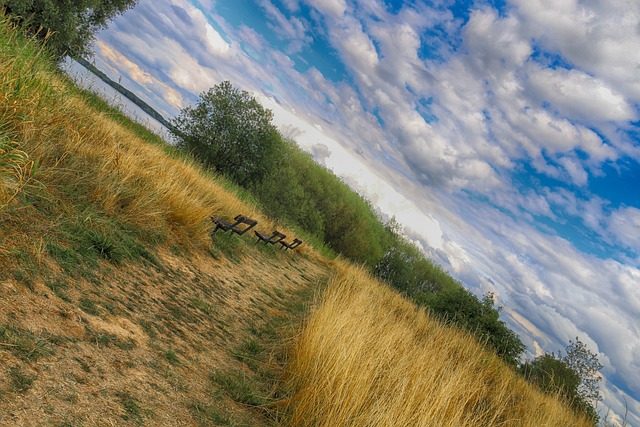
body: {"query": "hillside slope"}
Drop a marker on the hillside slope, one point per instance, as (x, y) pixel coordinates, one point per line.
(148, 344)
(116, 308)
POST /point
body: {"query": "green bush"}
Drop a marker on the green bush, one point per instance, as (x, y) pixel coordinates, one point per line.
(574, 377)
(229, 131)
(462, 308)
(68, 26)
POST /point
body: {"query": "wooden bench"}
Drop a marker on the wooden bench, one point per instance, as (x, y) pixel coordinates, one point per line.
(270, 240)
(225, 226)
(296, 242)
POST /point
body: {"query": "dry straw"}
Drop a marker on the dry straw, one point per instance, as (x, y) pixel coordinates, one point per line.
(52, 123)
(367, 357)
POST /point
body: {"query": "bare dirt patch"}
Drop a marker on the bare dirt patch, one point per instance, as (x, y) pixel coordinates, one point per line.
(166, 344)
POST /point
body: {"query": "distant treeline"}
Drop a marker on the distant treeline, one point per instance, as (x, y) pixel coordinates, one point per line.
(125, 92)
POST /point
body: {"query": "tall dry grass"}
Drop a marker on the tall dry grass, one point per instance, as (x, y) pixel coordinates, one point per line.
(368, 357)
(16, 171)
(84, 151)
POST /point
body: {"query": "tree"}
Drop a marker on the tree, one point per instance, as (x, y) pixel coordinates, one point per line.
(461, 307)
(552, 375)
(68, 25)
(229, 131)
(587, 366)
(574, 376)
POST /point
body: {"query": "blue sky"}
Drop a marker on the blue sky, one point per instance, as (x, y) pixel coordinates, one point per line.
(504, 135)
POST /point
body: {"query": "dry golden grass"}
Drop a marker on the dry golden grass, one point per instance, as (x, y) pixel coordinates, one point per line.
(136, 181)
(367, 357)
(16, 171)
(75, 144)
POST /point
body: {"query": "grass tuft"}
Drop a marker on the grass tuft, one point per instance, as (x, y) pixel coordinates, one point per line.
(239, 387)
(133, 412)
(172, 357)
(25, 344)
(20, 382)
(210, 415)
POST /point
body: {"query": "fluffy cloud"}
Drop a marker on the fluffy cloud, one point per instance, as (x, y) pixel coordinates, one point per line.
(293, 30)
(600, 38)
(624, 224)
(332, 8)
(579, 96)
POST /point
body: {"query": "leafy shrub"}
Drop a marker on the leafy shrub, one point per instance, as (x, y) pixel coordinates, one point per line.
(574, 377)
(68, 26)
(229, 131)
(461, 307)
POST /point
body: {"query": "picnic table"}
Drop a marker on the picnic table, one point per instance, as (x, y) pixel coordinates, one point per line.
(241, 225)
(285, 245)
(270, 240)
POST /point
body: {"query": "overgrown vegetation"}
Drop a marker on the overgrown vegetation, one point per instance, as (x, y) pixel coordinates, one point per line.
(229, 131)
(573, 376)
(367, 357)
(16, 170)
(113, 298)
(68, 26)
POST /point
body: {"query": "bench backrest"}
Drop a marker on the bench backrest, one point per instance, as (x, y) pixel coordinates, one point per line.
(242, 219)
(225, 226)
(296, 242)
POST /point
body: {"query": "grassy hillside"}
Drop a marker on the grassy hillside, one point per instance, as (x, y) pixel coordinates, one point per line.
(116, 308)
(368, 357)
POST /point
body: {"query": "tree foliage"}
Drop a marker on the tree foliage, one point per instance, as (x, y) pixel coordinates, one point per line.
(407, 269)
(587, 366)
(68, 25)
(480, 317)
(574, 376)
(231, 132)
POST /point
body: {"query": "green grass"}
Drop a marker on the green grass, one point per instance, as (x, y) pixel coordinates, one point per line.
(172, 357)
(251, 353)
(133, 411)
(89, 306)
(25, 344)
(228, 244)
(81, 241)
(19, 381)
(210, 415)
(105, 339)
(239, 387)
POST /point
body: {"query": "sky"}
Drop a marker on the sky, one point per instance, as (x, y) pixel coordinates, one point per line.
(503, 134)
